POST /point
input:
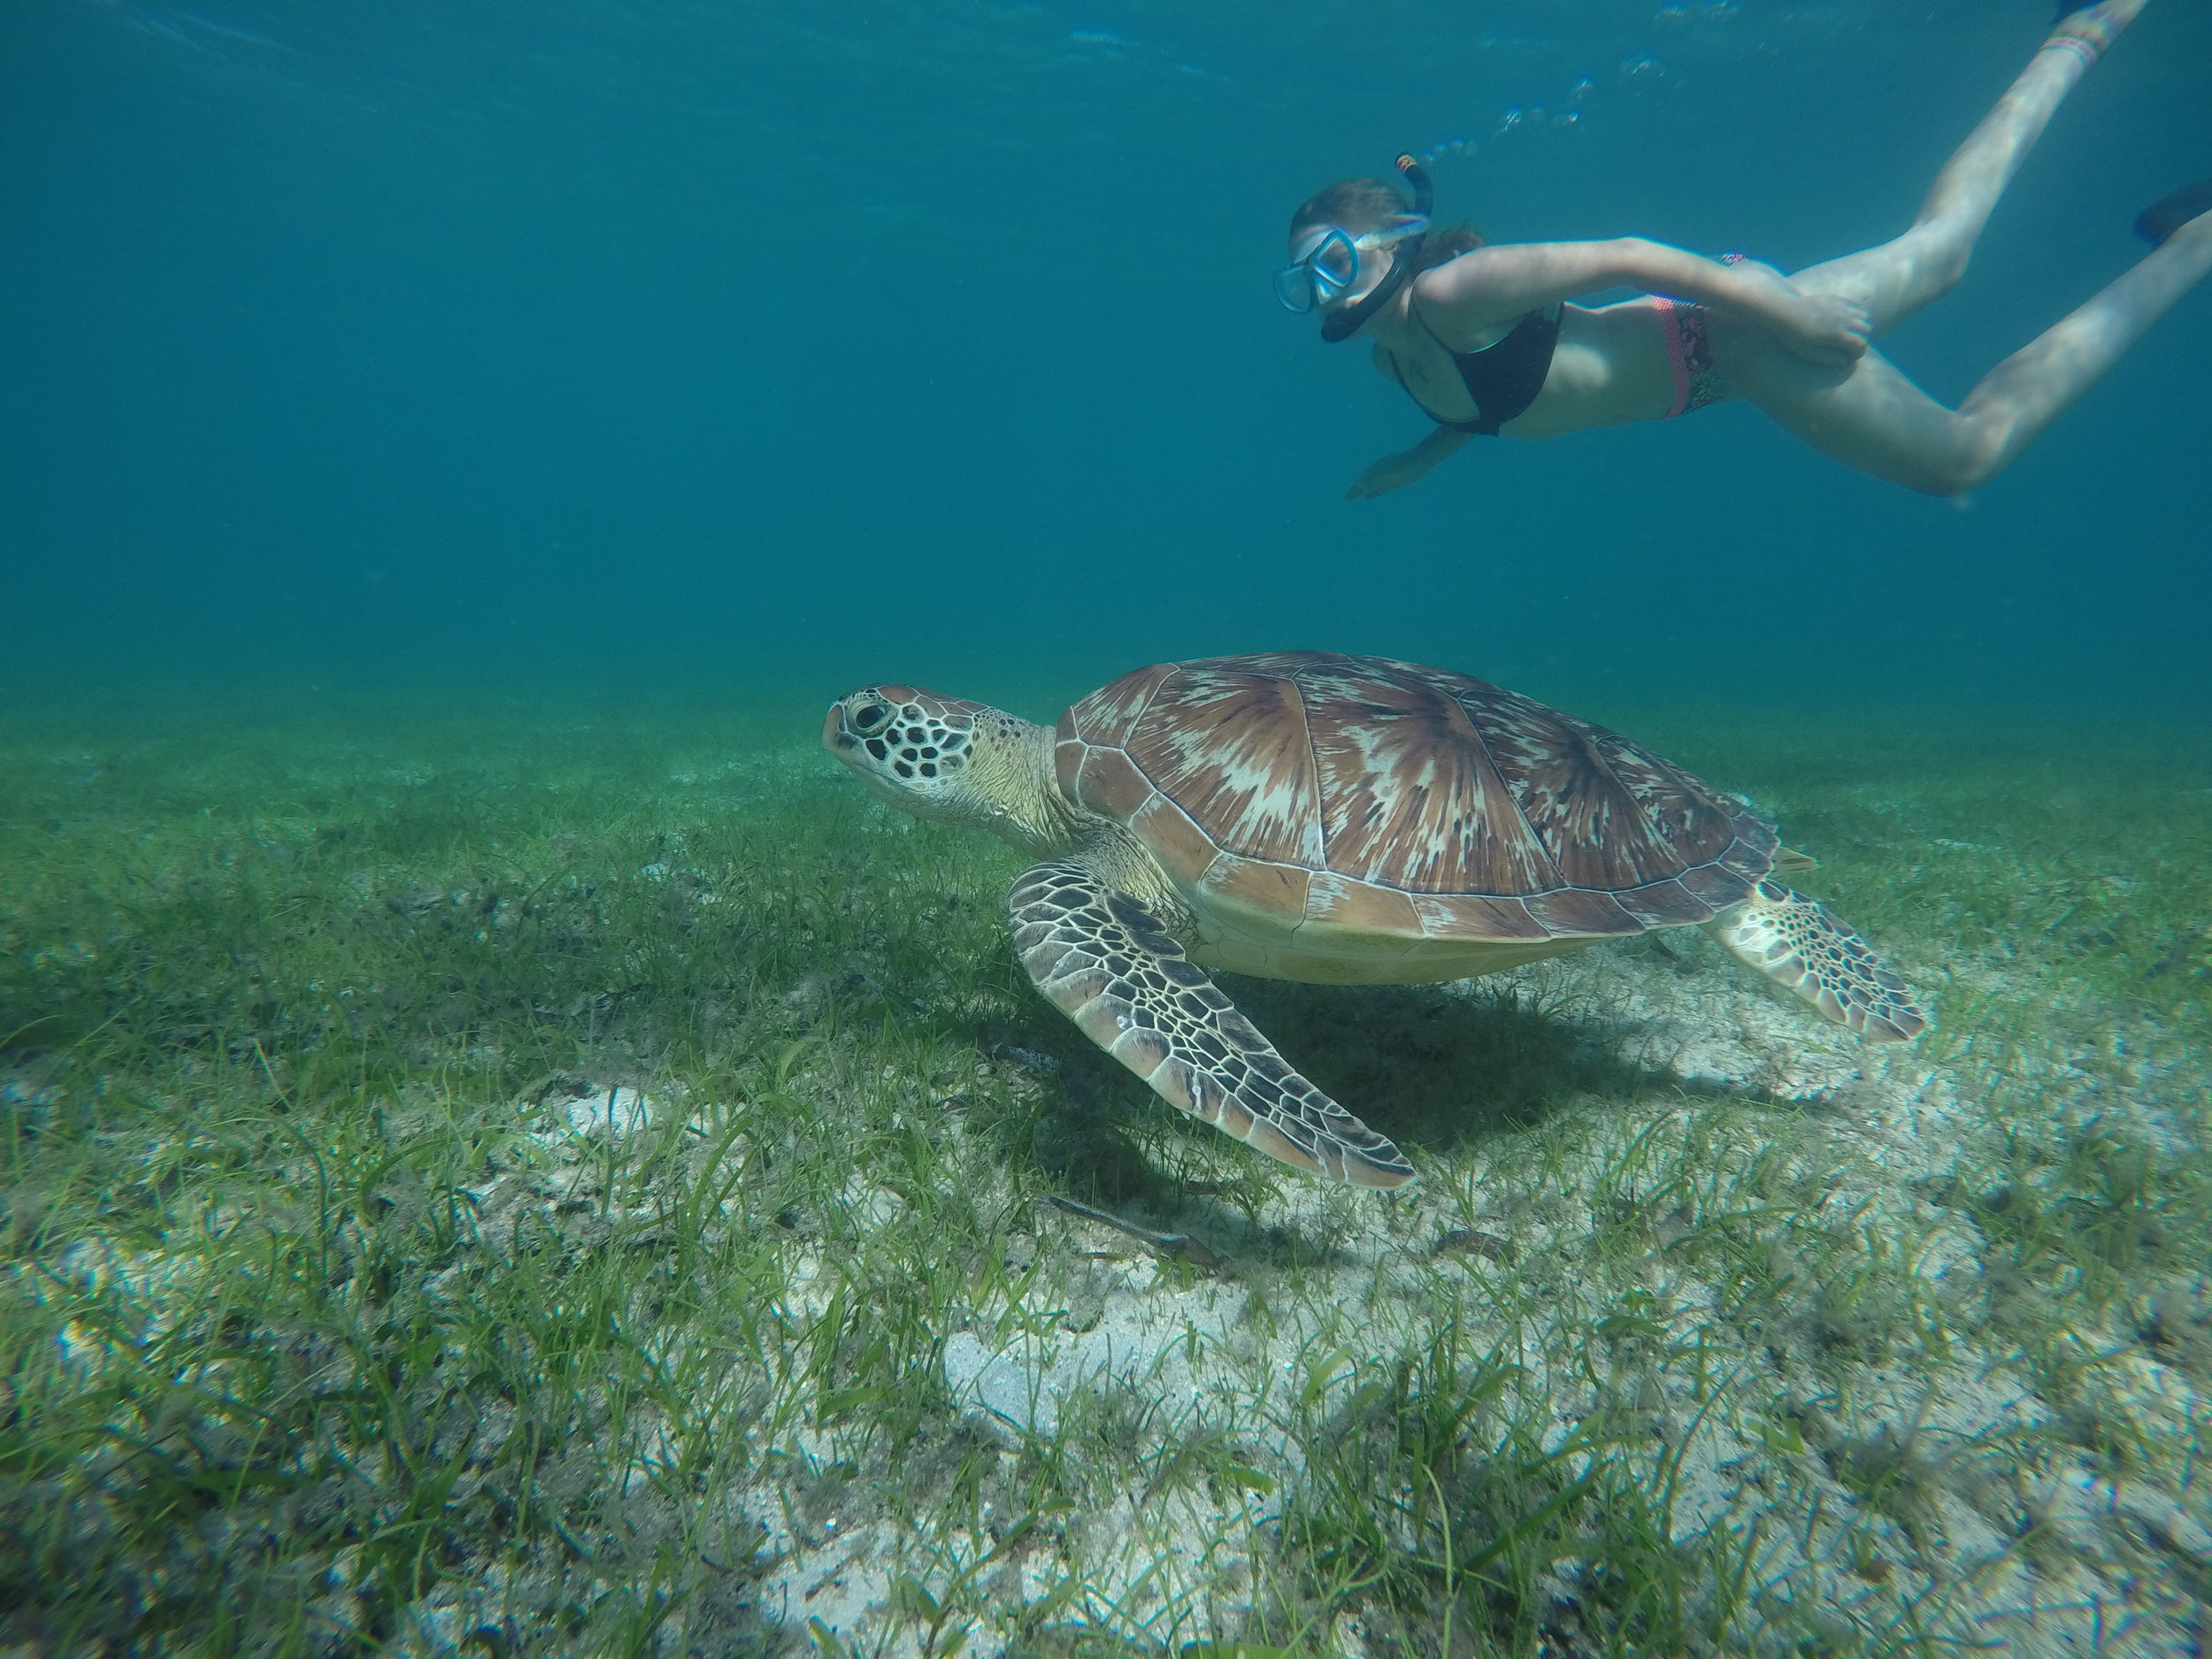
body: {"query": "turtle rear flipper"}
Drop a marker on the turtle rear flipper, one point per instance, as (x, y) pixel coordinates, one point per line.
(1108, 965)
(1804, 947)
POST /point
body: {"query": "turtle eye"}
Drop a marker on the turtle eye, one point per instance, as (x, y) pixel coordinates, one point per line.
(868, 719)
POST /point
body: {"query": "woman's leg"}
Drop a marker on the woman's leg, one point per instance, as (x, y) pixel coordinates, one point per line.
(1897, 279)
(1874, 419)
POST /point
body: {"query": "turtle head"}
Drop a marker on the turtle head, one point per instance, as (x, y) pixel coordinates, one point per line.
(951, 760)
(909, 745)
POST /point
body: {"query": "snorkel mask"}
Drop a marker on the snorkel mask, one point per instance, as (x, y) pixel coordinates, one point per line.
(1328, 263)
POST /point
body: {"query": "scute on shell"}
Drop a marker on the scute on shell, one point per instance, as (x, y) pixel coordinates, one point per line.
(1401, 800)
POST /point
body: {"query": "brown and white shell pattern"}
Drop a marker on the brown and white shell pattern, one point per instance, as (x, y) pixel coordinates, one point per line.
(1354, 800)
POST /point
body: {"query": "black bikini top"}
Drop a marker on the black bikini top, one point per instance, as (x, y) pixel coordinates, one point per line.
(1502, 378)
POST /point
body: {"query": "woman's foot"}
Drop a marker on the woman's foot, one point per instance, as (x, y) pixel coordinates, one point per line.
(2167, 214)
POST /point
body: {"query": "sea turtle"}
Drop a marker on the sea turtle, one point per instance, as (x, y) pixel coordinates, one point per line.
(1338, 820)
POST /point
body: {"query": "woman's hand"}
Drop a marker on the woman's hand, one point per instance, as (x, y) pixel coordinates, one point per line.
(1395, 471)
(1392, 472)
(1823, 330)
(1818, 327)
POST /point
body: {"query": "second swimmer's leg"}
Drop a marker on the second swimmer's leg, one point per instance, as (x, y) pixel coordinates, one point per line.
(1897, 279)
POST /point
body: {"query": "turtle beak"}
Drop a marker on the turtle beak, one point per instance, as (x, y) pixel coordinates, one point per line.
(833, 736)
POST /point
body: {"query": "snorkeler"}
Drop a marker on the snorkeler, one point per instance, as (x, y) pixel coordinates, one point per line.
(1483, 339)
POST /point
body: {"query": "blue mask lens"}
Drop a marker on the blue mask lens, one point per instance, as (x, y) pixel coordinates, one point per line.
(1324, 270)
(1331, 266)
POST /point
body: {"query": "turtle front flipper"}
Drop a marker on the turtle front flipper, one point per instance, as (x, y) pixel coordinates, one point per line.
(1804, 947)
(1110, 965)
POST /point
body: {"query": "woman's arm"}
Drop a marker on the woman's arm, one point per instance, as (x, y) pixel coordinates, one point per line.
(1490, 286)
(1395, 471)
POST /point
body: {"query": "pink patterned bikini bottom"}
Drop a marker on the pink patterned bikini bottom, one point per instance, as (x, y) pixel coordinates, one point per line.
(1696, 381)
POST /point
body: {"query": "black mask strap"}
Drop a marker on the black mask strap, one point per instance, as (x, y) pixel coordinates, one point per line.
(1405, 259)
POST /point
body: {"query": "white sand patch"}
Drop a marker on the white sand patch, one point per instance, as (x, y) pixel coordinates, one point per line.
(614, 1110)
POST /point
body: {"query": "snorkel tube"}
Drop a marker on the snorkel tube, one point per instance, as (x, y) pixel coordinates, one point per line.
(1405, 259)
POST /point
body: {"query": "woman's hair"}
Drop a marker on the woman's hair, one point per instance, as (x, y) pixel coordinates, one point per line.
(1360, 205)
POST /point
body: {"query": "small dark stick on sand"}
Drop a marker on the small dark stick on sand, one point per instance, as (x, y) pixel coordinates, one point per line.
(1177, 1246)
(1467, 1242)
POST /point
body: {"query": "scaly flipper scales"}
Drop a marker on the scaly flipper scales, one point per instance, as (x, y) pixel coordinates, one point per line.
(1108, 965)
(1802, 946)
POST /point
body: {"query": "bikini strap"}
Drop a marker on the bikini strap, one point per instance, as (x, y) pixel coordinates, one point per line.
(1413, 304)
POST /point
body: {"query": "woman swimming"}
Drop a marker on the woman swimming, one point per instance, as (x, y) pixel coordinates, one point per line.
(1483, 339)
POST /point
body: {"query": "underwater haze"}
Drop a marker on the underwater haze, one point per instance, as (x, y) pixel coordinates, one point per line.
(507, 1149)
(783, 347)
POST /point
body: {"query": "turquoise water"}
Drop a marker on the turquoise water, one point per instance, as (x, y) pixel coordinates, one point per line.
(504, 1149)
(777, 349)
